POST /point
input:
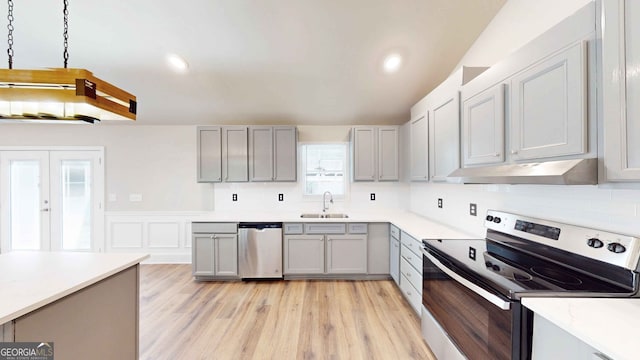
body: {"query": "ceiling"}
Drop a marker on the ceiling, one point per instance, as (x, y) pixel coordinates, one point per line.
(299, 62)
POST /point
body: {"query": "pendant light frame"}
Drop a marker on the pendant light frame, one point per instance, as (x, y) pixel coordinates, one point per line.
(60, 93)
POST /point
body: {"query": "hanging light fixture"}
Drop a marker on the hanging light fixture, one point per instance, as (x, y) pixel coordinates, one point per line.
(60, 95)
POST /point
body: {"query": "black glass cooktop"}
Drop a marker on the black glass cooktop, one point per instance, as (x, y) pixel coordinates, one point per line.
(516, 274)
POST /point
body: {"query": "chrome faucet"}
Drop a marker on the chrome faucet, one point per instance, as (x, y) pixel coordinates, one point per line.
(324, 201)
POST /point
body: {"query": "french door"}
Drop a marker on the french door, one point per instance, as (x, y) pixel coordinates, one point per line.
(51, 200)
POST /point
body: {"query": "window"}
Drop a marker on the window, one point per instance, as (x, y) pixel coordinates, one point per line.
(324, 168)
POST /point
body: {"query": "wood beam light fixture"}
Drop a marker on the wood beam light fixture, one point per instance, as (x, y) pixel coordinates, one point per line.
(62, 94)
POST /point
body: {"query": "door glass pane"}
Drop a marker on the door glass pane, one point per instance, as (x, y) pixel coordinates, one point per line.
(76, 204)
(25, 203)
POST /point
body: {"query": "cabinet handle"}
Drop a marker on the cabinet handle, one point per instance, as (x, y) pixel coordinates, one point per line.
(212, 237)
(408, 293)
(513, 152)
(408, 275)
(496, 154)
(409, 258)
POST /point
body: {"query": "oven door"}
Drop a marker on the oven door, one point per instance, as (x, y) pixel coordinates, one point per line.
(482, 324)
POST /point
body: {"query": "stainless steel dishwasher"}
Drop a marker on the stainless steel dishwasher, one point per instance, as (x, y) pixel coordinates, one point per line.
(260, 250)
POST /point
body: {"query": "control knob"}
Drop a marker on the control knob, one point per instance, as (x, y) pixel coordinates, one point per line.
(595, 243)
(495, 268)
(497, 220)
(616, 248)
(489, 217)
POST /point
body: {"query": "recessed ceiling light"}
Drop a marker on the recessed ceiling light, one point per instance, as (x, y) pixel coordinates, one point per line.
(392, 63)
(177, 63)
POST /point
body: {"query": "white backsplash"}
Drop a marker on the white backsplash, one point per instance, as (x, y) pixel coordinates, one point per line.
(264, 197)
(610, 209)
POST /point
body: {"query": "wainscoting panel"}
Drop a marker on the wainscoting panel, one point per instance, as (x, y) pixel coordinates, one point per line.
(165, 236)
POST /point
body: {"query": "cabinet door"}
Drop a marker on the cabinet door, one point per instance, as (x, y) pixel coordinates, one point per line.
(364, 153)
(621, 89)
(394, 259)
(347, 254)
(285, 154)
(548, 107)
(209, 154)
(203, 255)
(261, 153)
(483, 127)
(235, 158)
(418, 149)
(304, 254)
(444, 137)
(378, 248)
(388, 153)
(226, 254)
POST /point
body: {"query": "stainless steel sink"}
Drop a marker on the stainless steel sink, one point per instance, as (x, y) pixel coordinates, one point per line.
(313, 216)
(324, 216)
(336, 216)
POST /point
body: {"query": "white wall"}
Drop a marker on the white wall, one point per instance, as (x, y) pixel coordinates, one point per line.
(159, 162)
(517, 22)
(610, 208)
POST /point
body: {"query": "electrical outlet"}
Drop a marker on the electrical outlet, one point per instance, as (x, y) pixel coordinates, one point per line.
(373, 196)
(439, 203)
(234, 197)
(472, 253)
(473, 209)
(280, 197)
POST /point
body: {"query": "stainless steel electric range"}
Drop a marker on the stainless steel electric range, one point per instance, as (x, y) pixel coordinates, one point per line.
(472, 288)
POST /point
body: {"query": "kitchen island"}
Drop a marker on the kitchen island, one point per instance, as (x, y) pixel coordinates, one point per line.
(85, 303)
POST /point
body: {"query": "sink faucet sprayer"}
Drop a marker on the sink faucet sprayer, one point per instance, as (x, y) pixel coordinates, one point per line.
(324, 200)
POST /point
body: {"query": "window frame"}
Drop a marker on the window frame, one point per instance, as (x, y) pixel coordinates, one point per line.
(302, 170)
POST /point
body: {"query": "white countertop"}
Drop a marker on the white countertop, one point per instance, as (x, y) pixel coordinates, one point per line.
(30, 280)
(415, 225)
(609, 325)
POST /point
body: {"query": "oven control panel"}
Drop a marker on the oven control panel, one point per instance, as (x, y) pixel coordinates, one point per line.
(616, 249)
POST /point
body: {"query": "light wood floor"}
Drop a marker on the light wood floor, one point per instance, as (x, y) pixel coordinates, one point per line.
(184, 319)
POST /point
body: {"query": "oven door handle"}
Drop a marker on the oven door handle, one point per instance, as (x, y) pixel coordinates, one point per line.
(495, 300)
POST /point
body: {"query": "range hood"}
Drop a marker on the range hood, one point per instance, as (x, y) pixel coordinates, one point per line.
(562, 172)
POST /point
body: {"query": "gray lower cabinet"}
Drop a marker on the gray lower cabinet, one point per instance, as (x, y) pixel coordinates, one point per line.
(214, 250)
(303, 254)
(411, 270)
(346, 254)
(378, 249)
(326, 248)
(394, 253)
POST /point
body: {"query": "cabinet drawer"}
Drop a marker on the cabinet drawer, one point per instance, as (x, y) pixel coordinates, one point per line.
(411, 258)
(394, 231)
(357, 228)
(325, 228)
(412, 295)
(214, 227)
(411, 243)
(414, 277)
(293, 229)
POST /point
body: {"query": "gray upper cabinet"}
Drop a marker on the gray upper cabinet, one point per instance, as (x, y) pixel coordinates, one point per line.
(419, 148)
(535, 104)
(235, 159)
(444, 136)
(209, 145)
(375, 153)
(364, 153)
(272, 153)
(621, 90)
(285, 140)
(261, 153)
(549, 107)
(483, 127)
(388, 153)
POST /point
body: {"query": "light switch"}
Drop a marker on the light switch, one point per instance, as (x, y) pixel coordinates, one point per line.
(135, 197)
